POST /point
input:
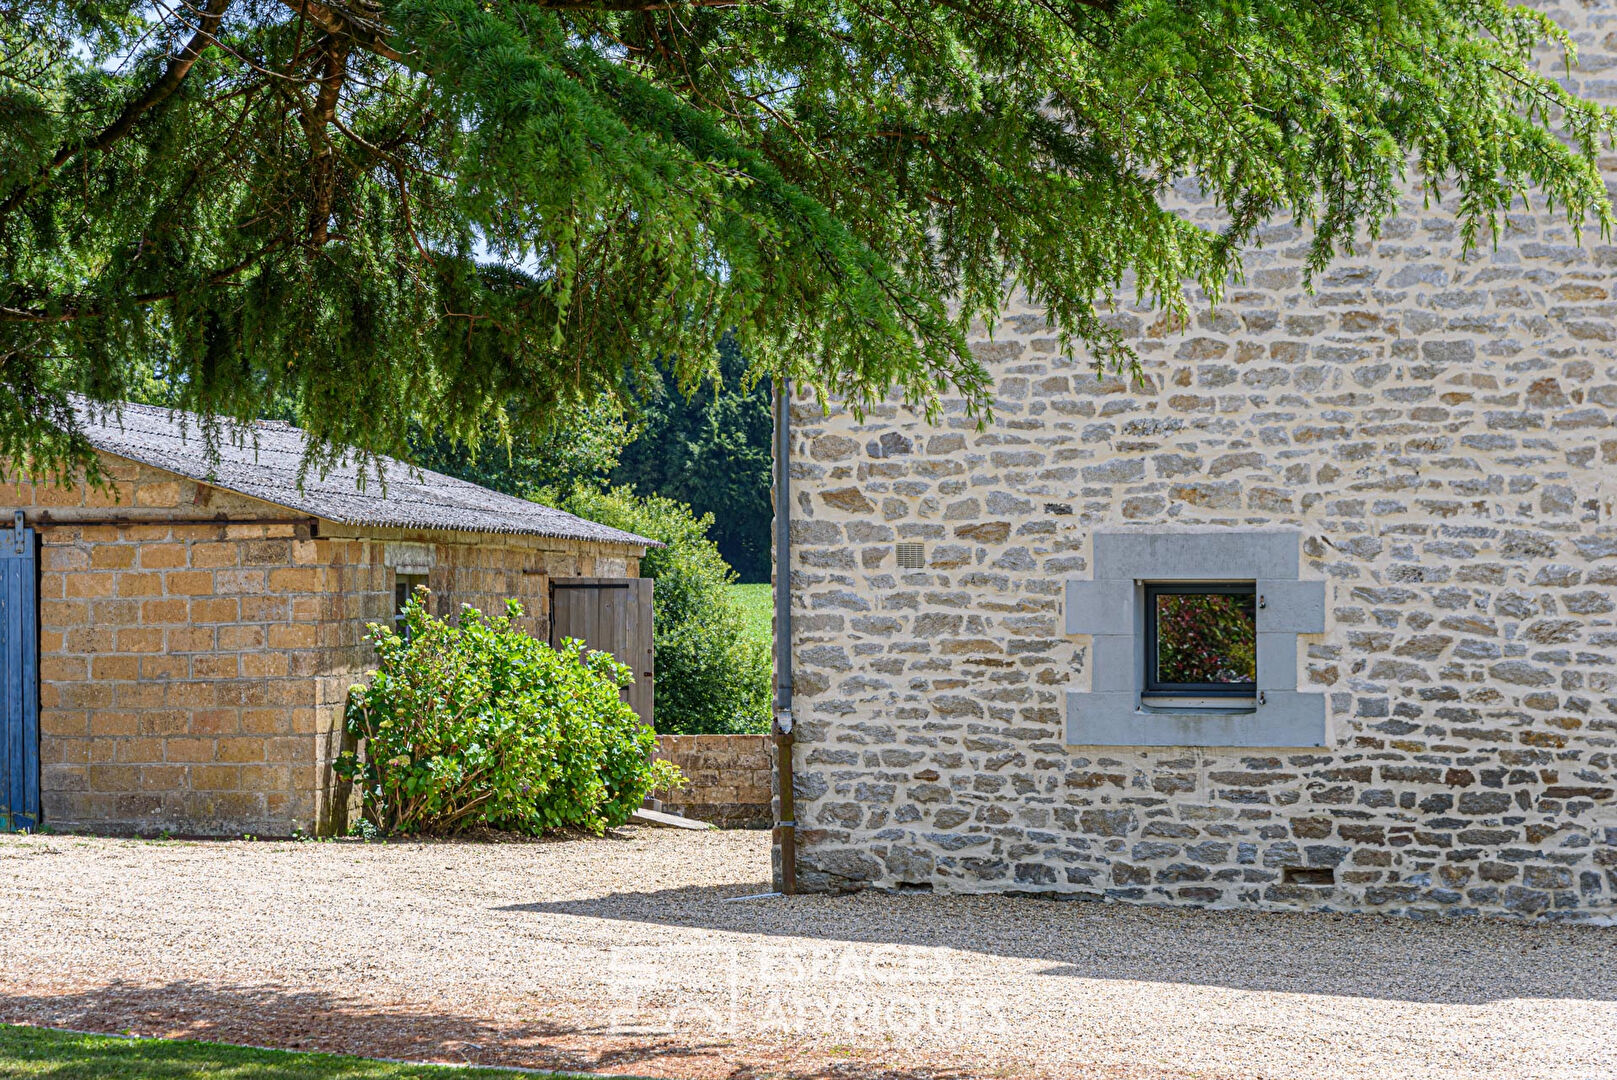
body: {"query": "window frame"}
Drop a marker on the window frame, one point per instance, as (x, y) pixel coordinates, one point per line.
(406, 580)
(1151, 687)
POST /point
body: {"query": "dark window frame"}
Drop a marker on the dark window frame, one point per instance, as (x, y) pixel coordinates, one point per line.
(1154, 688)
(404, 584)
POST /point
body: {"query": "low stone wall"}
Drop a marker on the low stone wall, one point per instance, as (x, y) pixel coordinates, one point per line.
(729, 778)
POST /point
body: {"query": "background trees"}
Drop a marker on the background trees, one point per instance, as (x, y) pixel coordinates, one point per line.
(710, 450)
(580, 445)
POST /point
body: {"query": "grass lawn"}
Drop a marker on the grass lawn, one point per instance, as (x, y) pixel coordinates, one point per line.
(59, 1055)
(759, 604)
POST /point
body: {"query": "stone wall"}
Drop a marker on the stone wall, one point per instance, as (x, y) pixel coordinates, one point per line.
(193, 676)
(1440, 431)
(729, 775)
(176, 661)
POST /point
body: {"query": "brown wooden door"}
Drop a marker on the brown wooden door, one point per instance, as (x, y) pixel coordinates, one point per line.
(612, 615)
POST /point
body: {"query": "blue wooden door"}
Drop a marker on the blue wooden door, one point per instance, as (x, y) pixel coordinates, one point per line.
(19, 682)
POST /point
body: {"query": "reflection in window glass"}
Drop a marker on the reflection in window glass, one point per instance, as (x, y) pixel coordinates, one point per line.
(404, 586)
(1206, 639)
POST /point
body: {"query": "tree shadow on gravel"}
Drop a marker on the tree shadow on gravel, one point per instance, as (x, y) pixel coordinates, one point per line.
(1469, 961)
(315, 1021)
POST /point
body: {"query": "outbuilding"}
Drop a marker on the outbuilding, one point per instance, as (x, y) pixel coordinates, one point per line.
(176, 647)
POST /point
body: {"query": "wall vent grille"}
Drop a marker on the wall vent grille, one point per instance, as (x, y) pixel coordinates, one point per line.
(1307, 875)
(911, 556)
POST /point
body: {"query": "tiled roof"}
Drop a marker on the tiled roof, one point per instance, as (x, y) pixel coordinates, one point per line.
(262, 460)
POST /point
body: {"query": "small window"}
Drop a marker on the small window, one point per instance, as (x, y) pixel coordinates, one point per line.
(1201, 640)
(404, 586)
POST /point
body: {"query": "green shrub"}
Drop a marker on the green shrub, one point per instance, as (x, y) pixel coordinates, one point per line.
(713, 675)
(474, 722)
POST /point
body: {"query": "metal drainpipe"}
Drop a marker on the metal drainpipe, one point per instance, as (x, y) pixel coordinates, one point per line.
(786, 826)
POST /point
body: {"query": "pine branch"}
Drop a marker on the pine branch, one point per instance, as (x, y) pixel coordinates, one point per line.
(369, 33)
(364, 30)
(158, 92)
(71, 309)
(323, 157)
(637, 5)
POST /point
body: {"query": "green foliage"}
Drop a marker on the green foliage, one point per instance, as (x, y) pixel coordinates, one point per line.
(32, 1052)
(474, 722)
(580, 446)
(462, 216)
(713, 676)
(711, 449)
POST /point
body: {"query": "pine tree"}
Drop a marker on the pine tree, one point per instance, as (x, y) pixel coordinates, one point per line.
(465, 215)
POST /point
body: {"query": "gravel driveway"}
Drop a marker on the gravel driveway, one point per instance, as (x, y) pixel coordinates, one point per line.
(624, 955)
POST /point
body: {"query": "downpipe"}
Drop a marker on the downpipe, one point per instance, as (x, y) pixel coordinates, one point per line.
(785, 830)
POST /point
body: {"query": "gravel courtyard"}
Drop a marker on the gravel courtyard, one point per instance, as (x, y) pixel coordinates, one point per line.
(623, 955)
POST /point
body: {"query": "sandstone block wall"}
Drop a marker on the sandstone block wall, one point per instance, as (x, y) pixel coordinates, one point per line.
(1441, 432)
(729, 778)
(177, 662)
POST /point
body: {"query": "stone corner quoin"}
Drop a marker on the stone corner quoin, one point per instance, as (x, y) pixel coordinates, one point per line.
(1439, 437)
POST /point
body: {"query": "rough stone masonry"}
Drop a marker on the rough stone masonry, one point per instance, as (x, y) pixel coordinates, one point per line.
(1441, 434)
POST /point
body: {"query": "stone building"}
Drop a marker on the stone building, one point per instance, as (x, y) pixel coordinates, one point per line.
(1404, 479)
(200, 621)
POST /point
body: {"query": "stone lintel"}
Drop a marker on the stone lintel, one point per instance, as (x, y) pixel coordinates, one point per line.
(1216, 554)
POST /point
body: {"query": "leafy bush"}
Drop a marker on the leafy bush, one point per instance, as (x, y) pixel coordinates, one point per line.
(474, 722)
(712, 674)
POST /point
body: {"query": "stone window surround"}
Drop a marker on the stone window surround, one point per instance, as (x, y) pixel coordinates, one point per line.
(1110, 610)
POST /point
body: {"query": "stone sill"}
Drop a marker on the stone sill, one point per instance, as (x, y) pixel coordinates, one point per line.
(1285, 720)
